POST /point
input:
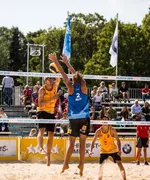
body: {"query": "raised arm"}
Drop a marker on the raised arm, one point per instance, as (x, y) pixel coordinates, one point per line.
(53, 58)
(57, 82)
(65, 61)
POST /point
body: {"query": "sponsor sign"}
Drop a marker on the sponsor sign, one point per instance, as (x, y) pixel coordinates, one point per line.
(96, 149)
(7, 147)
(127, 148)
(35, 51)
(30, 150)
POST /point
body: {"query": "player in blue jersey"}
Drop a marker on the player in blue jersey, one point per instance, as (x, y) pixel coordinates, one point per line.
(78, 111)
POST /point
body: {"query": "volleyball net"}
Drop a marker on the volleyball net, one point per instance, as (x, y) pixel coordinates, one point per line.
(54, 75)
(94, 77)
(60, 121)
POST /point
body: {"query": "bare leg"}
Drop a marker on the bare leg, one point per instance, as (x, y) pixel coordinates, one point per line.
(122, 170)
(100, 172)
(40, 137)
(138, 154)
(69, 153)
(49, 146)
(82, 152)
(145, 154)
(124, 96)
(127, 96)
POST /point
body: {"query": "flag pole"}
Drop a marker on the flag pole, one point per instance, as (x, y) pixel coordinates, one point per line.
(67, 19)
(117, 54)
(67, 40)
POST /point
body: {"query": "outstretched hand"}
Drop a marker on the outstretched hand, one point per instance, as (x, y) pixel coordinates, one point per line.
(64, 59)
(52, 57)
(90, 153)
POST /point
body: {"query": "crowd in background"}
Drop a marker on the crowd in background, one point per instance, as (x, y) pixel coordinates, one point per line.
(98, 98)
(101, 100)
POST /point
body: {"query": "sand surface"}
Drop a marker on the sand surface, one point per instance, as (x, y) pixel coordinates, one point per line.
(39, 171)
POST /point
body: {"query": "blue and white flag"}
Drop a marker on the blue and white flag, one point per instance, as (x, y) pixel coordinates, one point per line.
(67, 41)
(114, 48)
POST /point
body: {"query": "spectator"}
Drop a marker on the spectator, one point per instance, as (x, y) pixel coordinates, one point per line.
(96, 126)
(34, 95)
(124, 114)
(97, 99)
(124, 93)
(103, 90)
(136, 111)
(62, 98)
(142, 134)
(66, 105)
(38, 84)
(113, 92)
(27, 92)
(5, 125)
(146, 111)
(8, 84)
(60, 104)
(103, 112)
(112, 112)
(145, 93)
(93, 116)
(64, 126)
(94, 91)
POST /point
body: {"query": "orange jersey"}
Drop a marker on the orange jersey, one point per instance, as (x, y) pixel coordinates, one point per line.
(108, 145)
(48, 107)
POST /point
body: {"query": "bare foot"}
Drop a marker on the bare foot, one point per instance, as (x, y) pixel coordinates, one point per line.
(42, 151)
(48, 160)
(81, 170)
(64, 168)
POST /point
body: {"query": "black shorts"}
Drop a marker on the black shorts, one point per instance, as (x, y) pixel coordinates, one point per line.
(115, 157)
(46, 115)
(142, 142)
(77, 126)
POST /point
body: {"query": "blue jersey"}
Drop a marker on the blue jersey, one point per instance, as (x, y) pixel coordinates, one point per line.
(78, 104)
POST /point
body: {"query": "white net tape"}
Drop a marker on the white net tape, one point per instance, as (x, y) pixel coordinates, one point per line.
(99, 77)
(26, 120)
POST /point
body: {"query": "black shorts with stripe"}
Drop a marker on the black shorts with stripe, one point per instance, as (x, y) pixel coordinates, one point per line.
(115, 157)
(46, 115)
(77, 126)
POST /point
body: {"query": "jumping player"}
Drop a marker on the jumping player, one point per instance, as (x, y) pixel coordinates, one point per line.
(46, 100)
(79, 121)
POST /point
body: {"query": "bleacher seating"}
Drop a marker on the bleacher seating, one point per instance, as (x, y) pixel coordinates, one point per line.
(24, 129)
(17, 129)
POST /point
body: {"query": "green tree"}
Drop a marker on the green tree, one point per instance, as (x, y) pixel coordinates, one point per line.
(4, 48)
(17, 50)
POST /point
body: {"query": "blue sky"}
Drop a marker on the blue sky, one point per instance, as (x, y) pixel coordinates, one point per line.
(32, 15)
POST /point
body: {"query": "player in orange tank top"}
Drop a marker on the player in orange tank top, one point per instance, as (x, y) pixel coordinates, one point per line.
(107, 135)
(47, 97)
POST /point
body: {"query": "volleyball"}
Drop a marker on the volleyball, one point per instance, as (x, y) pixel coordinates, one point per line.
(53, 68)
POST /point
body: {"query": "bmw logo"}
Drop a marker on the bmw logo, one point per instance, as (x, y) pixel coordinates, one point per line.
(126, 148)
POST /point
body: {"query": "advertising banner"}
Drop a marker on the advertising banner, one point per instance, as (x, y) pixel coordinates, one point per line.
(8, 148)
(127, 149)
(30, 150)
